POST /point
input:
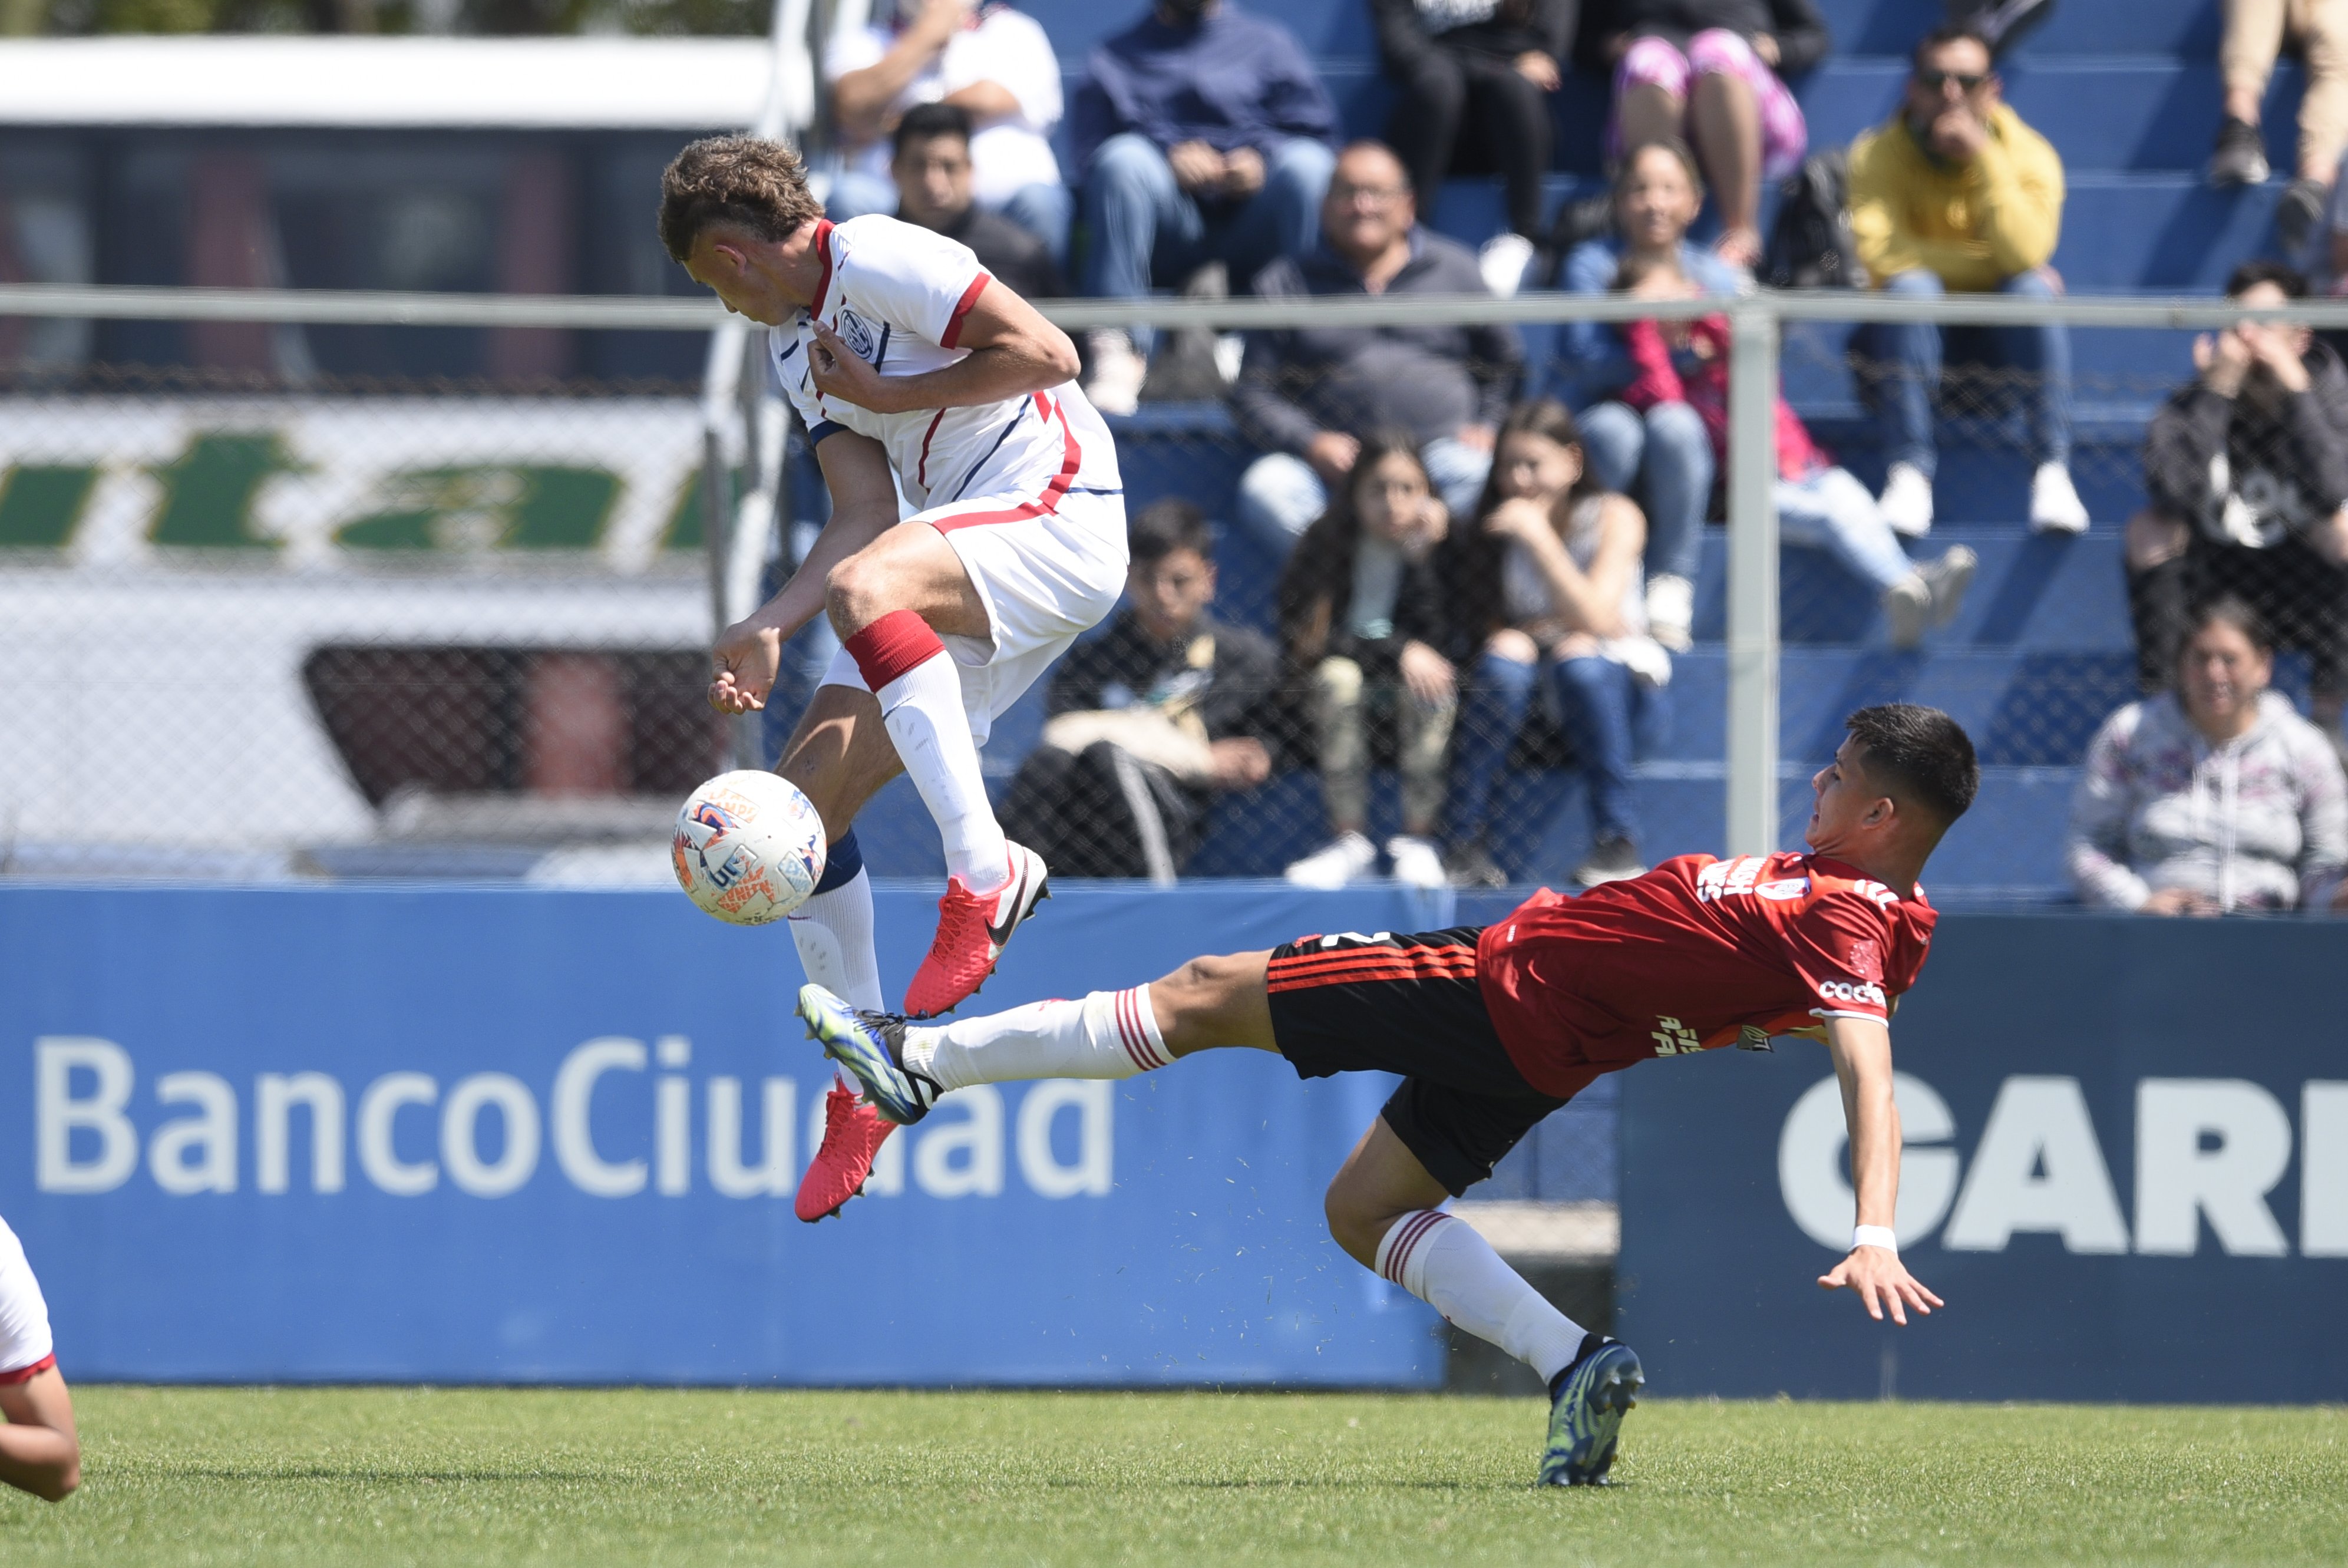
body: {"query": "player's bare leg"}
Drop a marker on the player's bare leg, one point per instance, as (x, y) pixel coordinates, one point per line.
(39, 1452)
(890, 603)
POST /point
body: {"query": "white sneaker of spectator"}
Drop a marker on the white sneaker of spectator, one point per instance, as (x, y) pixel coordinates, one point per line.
(1118, 371)
(1416, 861)
(1344, 859)
(1670, 611)
(2054, 504)
(1907, 501)
(1503, 262)
(1929, 596)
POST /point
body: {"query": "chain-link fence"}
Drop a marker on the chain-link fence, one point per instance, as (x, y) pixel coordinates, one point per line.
(363, 628)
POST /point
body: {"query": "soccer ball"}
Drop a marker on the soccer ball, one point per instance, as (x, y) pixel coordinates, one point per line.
(748, 847)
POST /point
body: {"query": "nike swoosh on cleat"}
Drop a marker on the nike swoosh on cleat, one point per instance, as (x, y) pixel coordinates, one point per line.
(1020, 905)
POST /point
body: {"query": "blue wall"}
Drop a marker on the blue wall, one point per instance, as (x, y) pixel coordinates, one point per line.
(1166, 1231)
(2126, 1172)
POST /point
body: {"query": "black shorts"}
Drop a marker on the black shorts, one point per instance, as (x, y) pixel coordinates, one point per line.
(1408, 1005)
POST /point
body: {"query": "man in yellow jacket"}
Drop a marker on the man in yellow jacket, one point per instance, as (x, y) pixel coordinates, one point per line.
(1955, 194)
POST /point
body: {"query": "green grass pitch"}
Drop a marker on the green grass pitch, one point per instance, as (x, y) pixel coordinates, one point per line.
(362, 1477)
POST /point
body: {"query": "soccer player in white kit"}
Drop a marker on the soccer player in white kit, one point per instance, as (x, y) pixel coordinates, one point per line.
(38, 1451)
(915, 372)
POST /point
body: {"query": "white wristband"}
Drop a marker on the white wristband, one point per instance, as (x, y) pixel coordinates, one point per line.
(1874, 1236)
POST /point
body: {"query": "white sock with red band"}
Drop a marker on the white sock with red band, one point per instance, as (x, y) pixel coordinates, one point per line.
(1440, 1259)
(910, 671)
(1108, 1035)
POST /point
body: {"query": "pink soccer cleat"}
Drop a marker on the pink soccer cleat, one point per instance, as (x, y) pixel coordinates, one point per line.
(973, 929)
(854, 1133)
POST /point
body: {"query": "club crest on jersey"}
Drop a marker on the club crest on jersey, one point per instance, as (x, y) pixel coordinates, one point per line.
(862, 338)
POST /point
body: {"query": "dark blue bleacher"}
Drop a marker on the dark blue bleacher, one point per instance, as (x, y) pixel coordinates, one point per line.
(2127, 90)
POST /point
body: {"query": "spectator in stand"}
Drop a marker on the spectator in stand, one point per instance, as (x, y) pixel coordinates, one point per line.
(1360, 616)
(1686, 363)
(2246, 60)
(1546, 581)
(1955, 194)
(990, 61)
(1661, 456)
(1306, 393)
(1204, 135)
(1473, 80)
(2214, 797)
(2246, 473)
(1707, 72)
(933, 170)
(1149, 720)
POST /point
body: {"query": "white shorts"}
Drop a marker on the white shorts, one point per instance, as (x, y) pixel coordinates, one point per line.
(1046, 580)
(25, 1345)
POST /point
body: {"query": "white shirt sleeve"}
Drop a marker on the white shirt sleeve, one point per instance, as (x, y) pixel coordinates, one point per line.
(853, 50)
(917, 280)
(789, 360)
(1010, 48)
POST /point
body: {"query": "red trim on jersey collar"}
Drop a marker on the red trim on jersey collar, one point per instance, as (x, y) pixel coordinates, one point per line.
(26, 1374)
(953, 338)
(823, 254)
(1047, 503)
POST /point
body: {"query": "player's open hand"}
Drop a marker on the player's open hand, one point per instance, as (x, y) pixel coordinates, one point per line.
(840, 372)
(744, 664)
(1882, 1280)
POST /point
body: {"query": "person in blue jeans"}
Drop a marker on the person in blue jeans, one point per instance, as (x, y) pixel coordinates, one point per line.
(1663, 456)
(1547, 579)
(1204, 135)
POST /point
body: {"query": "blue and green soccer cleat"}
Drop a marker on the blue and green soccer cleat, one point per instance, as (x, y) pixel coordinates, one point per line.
(868, 1046)
(1587, 1405)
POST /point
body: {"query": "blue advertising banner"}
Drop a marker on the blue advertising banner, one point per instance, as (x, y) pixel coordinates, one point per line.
(521, 1135)
(2125, 1169)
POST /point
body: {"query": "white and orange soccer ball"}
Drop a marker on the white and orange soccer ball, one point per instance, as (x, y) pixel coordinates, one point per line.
(748, 847)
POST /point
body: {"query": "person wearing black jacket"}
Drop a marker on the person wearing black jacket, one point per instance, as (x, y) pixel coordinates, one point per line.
(930, 164)
(1361, 623)
(1473, 80)
(1306, 395)
(1711, 72)
(1150, 719)
(2247, 472)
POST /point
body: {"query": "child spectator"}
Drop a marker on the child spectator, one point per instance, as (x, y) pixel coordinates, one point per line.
(1360, 616)
(1818, 503)
(2214, 797)
(1150, 719)
(1661, 456)
(1547, 580)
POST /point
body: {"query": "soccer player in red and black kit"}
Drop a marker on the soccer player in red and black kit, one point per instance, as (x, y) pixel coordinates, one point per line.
(1494, 1028)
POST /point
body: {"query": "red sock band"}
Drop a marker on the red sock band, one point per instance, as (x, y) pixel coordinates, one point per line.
(892, 646)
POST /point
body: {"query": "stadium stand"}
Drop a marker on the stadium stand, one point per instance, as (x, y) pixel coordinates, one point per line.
(2127, 90)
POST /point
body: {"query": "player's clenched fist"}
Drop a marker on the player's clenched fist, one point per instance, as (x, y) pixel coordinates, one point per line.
(838, 372)
(745, 662)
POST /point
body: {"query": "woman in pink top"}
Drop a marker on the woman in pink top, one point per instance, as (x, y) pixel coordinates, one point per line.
(1818, 503)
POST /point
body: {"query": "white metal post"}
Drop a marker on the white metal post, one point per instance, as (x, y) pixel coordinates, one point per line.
(1752, 580)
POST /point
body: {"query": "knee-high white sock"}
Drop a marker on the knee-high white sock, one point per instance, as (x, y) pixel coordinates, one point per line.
(913, 676)
(1442, 1261)
(1108, 1035)
(833, 931)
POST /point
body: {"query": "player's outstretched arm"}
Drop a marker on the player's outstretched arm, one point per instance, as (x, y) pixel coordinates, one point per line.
(38, 1451)
(863, 507)
(1861, 1049)
(1013, 351)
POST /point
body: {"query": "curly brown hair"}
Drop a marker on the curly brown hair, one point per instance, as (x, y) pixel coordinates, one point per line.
(744, 181)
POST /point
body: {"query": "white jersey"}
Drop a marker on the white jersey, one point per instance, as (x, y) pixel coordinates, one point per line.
(897, 294)
(25, 1345)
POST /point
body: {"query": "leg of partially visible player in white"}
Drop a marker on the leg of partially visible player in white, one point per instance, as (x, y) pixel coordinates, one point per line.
(39, 1452)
